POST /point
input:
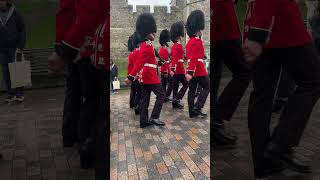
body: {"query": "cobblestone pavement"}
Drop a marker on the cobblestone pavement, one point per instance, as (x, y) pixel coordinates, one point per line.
(236, 164)
(31, 143)
(180, 150)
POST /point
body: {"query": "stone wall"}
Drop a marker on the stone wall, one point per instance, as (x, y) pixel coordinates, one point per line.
(123, 22)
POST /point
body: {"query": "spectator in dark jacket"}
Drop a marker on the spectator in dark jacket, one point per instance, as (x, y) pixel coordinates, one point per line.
(12, 40)
(113, 75)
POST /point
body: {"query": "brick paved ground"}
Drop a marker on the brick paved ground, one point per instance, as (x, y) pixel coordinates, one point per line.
(180, 150)
(31, 143)
(236, 164)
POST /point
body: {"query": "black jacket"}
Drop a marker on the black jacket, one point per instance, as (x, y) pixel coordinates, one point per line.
(12, 31)
(114, 72)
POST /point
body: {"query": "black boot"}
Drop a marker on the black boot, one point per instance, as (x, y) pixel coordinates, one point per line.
(221, 136)
(193, 113)
(176, 104)
(157, 122)
(87, 154)
(167, 99)
(145, 125)
(286, 157)
(200, 113)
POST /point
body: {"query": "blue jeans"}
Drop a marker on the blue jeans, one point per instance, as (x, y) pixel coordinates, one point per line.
(6, 58)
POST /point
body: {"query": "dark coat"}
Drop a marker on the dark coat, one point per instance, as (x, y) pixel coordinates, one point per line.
(12, 31)
(114, 72)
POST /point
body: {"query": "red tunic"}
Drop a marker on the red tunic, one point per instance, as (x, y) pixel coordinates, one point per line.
(74, 29)
(177, 58)
(275, 23)
(132, 59)
(225, 24)
(164, 54)
(100, 58)
(195, 56)
(147, 63)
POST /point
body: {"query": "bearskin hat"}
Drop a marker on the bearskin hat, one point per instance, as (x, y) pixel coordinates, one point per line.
(136, 40)
(195, 22)
(176, 30)
(164, 37)
(130, 44)
(145, 25)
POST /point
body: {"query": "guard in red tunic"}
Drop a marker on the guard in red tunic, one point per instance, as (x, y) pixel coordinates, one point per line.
(131, 60)
(275, 36)
(177, 64)
(227, 49)
(89, 15)
(146, 28)
(196, 71)
(166, 79)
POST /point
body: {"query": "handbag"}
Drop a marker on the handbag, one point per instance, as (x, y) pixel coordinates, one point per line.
(20, 71)
(116, 84)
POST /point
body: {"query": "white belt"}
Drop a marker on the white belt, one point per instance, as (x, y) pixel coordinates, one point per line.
(180, 60)
(201, 60)
(150, 65)
(168, 62)
(188, 60)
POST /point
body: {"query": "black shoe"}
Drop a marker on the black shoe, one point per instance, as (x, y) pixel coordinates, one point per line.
(222, 136)
(167, 99)
(193, 114)
(86, 154)
(201, 113)
(157, 122)
(145, 125)
(176, 104)
(286, 157)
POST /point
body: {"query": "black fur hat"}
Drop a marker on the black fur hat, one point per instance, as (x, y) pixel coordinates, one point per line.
(164, 37)
(136, 40)
(176, 30)
(195, 22)
(130, 44)
(145, 25)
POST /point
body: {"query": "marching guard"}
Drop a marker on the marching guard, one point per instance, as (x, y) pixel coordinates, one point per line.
(275, 37)
(177, 64)
(146, 28)
(227, 49)
(166, 79)
(196, 71)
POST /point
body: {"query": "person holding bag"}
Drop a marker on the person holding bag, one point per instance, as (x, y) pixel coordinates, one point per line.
(114, 76)
(12, 42)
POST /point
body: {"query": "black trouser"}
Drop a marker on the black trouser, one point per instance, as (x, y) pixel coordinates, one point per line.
(167, 84)
(146, 90)
(138, 94)
(7, 57)
(204, 82)
(133, 93)
(230, 54)
(286, 85)
(77, 88)
(177, 78)
(303, 66)
(101, 121)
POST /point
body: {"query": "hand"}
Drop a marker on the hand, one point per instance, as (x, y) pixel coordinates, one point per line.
(188, 77)
(171, 73)
(55, 63)
(251, 50)
(127, 81)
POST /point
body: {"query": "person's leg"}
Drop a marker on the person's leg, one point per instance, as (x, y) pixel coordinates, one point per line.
(102, 126)
(4, 60)
(175, 87)
(183, 80)
(302, 63)
(204, 82)
(229, 99)
(71, 111)
(170, 86)
(286, 87)
(144, 104)
(133, 92)
(265, 76)
(191, 96)
(138, 97)
(158, 91)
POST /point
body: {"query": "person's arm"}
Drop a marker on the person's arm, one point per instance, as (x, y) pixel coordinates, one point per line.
(22, 31)
(143, 55)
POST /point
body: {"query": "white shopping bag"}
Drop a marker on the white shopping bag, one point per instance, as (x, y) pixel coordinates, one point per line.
(20, 71)
(116, 84)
